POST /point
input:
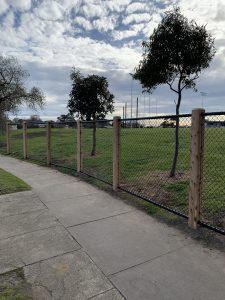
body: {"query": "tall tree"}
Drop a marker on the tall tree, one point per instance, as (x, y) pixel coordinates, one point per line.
(176, 53)
(90, 99)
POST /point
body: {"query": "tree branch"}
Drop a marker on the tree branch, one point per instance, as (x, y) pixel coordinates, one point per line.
(191, 80)
(170, 85)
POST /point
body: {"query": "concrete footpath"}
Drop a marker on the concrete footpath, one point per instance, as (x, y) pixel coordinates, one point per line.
(75, 241)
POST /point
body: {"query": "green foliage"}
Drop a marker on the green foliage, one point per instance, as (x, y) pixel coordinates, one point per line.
(177, 49)
(90, 97)
(177, 52)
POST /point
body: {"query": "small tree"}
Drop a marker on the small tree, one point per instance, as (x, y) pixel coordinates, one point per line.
(90, 99)
(177, 52)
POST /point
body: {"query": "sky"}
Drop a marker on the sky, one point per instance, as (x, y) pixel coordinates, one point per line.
(49, 37)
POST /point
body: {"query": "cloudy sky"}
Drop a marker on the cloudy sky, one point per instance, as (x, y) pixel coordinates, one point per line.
(104, 37)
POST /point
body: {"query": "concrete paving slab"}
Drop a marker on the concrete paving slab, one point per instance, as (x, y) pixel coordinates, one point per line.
(33, 174)
(26, 222)
(14, 204)
(87, 208)
(123, 241)
(188, 273)
(110, 295)
(32, 247)
(70, 276)
(18, 196)
(70, 190)
(45, 180)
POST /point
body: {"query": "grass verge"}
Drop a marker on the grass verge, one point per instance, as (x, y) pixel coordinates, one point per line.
(11, 184)
(13, 286)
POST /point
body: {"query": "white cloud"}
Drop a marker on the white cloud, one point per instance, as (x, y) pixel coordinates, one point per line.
(20, 4)
(93, 10)
(136, 6)
(49, 10)
(84, 23)
(105, 24)
(120, 35)
(3, 7)
(137, 18)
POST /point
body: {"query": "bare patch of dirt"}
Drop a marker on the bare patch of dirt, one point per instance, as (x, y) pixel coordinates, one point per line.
(153, 185)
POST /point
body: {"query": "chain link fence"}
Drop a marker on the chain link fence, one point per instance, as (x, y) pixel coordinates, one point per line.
(64, 145)
(16, 139)
(36, 141)
(213, 185)
(147, 148)
(2, 138)
(98, 162)
(147, 151)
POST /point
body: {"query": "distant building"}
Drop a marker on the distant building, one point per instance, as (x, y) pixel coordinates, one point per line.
(214, 124)
(13, 127)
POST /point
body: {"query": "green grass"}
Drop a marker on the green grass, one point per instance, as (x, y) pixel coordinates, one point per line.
(11, 184)
(13, 286)
(146, 158)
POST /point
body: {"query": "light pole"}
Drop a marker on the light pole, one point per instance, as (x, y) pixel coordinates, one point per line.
(131, 95)
(203, 94)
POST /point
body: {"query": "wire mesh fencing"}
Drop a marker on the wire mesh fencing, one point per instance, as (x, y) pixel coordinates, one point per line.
(3, 138)
(147, 153)
(145, 164)
(36, 141)
(64, 145)
(97, 147)
(213, 185)
(16, 139)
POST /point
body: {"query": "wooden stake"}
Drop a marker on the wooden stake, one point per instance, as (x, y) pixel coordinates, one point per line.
(197, 146)
(79, 146)
(8, 148)
(116, 152)
(49, 143)
(25, 140)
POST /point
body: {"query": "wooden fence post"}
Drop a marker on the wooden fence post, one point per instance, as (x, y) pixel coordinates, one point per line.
(25, 140)
(116, 152)
(48, 143)
(197, 146)
(8, 146)
(79, 146)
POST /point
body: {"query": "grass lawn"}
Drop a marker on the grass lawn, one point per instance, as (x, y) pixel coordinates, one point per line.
(146, 158)
(11, 184)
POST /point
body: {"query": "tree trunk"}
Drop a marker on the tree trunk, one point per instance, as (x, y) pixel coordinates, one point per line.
(93, 151)
(176, 150)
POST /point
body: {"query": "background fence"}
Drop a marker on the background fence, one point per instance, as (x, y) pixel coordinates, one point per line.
(135, 155)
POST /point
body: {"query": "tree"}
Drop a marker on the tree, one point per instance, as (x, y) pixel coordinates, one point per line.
(177, 52)
(90, 99)
(13, 92)
(66, 118)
